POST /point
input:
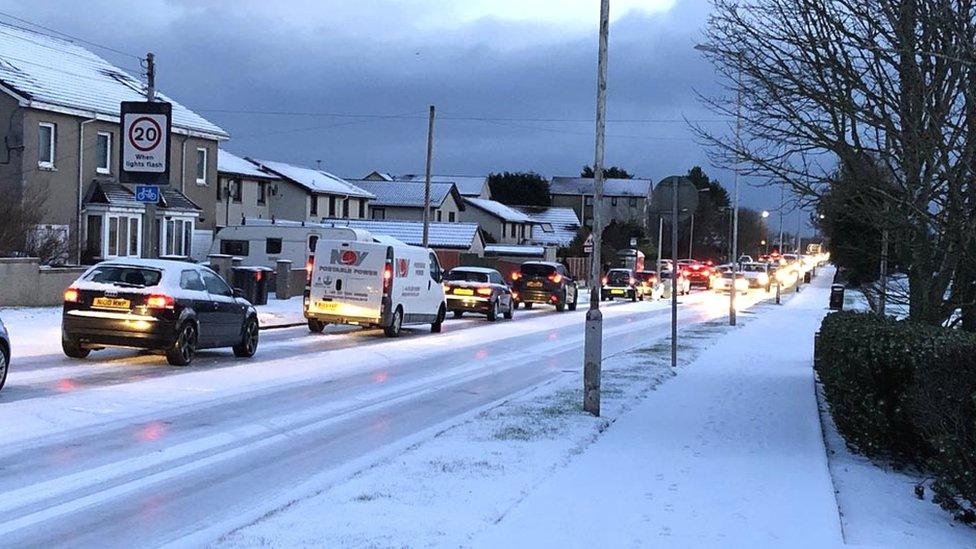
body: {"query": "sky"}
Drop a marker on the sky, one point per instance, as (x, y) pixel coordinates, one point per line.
(347, 85)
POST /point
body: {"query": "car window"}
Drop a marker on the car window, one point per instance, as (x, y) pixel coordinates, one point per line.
(618, 276)
(190, 280)
(435, 268)
(216, 285)
(496, 278)
(460, 275)
(537, 269)
(125, 276)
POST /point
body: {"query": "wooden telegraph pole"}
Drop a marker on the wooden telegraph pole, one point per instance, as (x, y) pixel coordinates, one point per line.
(430, 156)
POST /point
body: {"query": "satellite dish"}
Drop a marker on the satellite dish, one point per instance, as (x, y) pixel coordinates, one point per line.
(662, 196)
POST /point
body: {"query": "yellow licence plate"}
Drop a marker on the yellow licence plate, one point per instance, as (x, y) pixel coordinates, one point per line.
(327, 305)
(617, 292)
(534, 284)
(463, 291)
(111, 303)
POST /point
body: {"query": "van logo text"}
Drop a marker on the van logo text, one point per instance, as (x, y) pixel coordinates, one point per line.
(347, 257)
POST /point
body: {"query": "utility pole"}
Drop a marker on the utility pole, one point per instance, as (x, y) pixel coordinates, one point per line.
(782, 205)
(151, 243)
(674, 274)
(593, 341)
(430, 156)
(660, 245)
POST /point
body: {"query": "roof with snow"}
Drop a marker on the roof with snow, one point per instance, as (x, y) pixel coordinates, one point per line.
(315, 181)
(406, 194)
(379, 176)
(468, 185)
(53, 74)
(458, 236)
(611, 187)
(499, 210)
(522, 251)
(559, 225)
(116, 194)
(228, 162)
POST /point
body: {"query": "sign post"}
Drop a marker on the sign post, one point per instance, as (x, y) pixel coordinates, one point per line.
(145, 127)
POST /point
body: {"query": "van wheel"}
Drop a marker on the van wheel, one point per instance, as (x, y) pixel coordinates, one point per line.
(493, 312)
(528, 305)
(457, 314)
(185, 346)
(249, 340)
(316, 326)
(72, 349)
(439, 322)
(393, 330)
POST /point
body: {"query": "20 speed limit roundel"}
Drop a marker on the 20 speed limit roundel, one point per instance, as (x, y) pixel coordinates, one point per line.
(145, 134)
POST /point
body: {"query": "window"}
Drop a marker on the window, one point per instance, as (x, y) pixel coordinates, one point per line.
(216, 285)
(633, 202)
(588, 201)
(201, 166)
(47, 134)
(237, 190)
(262, 193)
(133, 276)
(93, 238)
(124, 236)
(313, 240)
(103, 153)
(613, 201)
(435, 268)
(438, 215)
(177, 238)
(362, 209)
(379, 213)
(332, 206)
(450, 216)
(496, 278)
(313, 210)
(345, 208)
(235, 247)
(190, 280)
(272, 246)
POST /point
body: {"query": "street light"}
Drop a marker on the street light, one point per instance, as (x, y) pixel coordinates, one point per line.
(765, 214)
(735, 174)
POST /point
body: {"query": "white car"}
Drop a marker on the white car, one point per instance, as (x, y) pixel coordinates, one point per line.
(373, 281)
(756, 274)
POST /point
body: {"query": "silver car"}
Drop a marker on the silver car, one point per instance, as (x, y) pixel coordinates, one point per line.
(4, 353)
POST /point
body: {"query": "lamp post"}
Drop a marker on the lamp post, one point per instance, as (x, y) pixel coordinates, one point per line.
(762, 236)
(735, 174)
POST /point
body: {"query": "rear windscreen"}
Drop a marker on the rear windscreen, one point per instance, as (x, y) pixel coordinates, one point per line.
(646, 277)
(119, 275)
(466, 276)
(754, 268)
(535, 269)
(618, 277)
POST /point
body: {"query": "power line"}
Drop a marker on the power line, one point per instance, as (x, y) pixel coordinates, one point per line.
(64, 34)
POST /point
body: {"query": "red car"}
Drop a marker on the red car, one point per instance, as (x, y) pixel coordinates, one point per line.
(698, 274)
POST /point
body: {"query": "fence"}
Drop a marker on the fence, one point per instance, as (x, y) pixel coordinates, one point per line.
(25, 283)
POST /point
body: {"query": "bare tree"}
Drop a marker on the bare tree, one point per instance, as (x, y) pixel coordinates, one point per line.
(828, 83)
(21, 231)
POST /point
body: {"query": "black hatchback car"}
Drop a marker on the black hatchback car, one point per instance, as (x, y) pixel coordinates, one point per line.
(171, 306)
(621, 283)
(545, 282)
(478, 290)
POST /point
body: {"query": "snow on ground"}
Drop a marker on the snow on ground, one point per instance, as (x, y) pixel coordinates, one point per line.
(467, 477)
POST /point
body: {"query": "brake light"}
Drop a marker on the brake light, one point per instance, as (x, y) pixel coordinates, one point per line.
(633, 281)
(388, 272)
(516, 275)
(71, 295)
(556, 278)
(388, 277)
(160, 302)
(604, 281)
(484, 291)
(308, 270)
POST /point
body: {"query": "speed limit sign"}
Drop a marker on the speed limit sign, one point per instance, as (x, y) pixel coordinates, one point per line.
(145, 137)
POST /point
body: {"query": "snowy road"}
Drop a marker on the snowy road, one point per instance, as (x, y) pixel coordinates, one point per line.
(122, 450)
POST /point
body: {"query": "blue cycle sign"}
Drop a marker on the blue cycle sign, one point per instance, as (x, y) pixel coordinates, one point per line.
(147, 193)
(145, 131)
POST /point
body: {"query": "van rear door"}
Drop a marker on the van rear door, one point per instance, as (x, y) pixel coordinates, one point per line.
(347, 279)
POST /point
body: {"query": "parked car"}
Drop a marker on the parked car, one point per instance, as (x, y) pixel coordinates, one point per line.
(4, 353)
(648, 285)
(683, 285)
(545, 282)
(375, 281)
(478, 290)
(620, 283)
(172, 306)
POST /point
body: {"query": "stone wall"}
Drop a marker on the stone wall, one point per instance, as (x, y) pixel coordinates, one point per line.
(25, 283)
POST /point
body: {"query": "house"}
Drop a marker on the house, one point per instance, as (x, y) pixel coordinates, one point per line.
(553, 226)
(304, 194)
(243, 190)
(448, 240)
(470, 186)
(501, 224)
(60, 108)
(624, 200)
(405, 201)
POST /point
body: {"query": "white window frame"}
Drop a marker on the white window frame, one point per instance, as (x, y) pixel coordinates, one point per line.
(206, 161)
(182, 248)
(120, 218)
(107, 168)
(51, 146)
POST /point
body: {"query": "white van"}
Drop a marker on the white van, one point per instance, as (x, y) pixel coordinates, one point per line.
(380, 283)
(261, 242)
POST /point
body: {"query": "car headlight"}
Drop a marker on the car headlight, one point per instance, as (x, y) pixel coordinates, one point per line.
(763, 279)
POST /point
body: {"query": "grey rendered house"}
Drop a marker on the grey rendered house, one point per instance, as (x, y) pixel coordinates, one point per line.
(553, 226)
(470, 186)
(404, 201)
(623, 199)
(243, 190)
(306, 194)
(60, 109)
(500, 223)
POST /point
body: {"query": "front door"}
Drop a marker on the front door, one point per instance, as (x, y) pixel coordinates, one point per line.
(228, 313)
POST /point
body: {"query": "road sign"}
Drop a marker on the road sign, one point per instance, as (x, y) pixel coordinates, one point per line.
(145, 130)
(588, 244)
(148, 194)
(687, 197)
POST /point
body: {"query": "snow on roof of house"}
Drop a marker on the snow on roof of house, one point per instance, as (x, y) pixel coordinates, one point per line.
(611, 187)
(228, 162)
(559, 225)
(314, 180)
(458, 236)
(54, 74)
(116, 194)
(403, 194)
(507, 249)
(498, 210)
(378, 176)
(468, 185)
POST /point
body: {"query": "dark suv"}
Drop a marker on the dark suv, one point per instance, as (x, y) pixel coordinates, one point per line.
(545, 282)
(163, 305)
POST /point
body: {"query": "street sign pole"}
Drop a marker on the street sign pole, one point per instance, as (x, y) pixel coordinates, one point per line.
(151, 244)
(674, 275)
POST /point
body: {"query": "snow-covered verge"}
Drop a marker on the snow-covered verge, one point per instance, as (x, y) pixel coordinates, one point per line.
(465, 478)
(878, 506)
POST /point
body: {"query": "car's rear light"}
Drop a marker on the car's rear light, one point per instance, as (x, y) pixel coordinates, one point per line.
(71, 295)
(604, 280)
(516, 275)
(514, 295)
(484, 291)
(633, 281)
(557, 278)
(160, 302)
(308, 270)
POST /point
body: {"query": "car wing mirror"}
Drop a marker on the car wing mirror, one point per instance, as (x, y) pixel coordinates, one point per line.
(238, 293)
